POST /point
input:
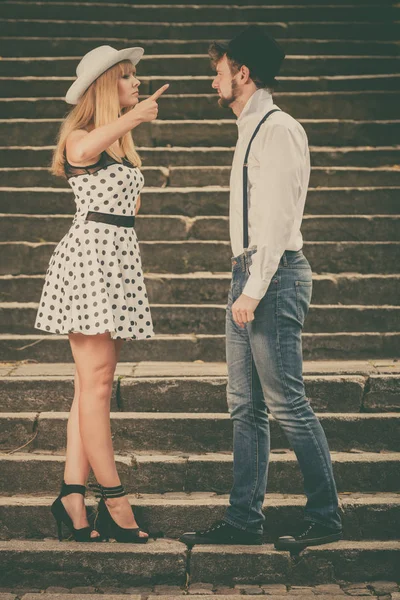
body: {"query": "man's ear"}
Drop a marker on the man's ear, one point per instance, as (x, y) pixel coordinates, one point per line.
(244, 74)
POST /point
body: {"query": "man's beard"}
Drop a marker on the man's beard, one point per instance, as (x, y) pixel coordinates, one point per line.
(226, 102)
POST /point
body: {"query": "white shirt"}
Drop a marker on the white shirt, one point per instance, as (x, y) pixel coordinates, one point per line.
(278, 173)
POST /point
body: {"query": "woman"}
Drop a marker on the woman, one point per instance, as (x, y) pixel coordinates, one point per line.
(94, 289)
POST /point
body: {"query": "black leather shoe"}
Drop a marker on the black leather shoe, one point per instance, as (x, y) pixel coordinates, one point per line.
(221, 533)
(311, 534)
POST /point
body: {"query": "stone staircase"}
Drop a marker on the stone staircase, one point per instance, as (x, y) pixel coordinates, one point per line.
(171, 430)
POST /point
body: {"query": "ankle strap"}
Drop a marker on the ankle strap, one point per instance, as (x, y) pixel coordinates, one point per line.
(107, 492)
(67, 489)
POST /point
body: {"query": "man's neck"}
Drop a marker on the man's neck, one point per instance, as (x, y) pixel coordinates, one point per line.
(238, 105)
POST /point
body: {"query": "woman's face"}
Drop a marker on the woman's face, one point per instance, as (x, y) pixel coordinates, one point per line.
(128, 89)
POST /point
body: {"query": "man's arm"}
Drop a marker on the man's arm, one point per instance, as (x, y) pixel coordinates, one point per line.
(274, 202)
(273, 199)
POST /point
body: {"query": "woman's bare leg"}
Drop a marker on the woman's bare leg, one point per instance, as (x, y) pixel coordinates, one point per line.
(96, 358)
(77, 466)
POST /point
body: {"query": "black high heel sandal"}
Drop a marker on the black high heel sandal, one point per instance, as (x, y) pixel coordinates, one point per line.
(61, 516)
(105, 524)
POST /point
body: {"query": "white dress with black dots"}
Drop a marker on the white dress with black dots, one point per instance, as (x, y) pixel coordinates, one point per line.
(94, 282)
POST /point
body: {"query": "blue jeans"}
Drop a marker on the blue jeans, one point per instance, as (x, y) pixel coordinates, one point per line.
(265, 366)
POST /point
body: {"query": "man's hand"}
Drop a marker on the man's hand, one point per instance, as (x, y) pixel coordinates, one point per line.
(243, 310)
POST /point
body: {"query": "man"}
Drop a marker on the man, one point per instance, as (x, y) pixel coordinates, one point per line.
(268, 301)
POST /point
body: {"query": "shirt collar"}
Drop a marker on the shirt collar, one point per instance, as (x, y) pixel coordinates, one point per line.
(258, 104)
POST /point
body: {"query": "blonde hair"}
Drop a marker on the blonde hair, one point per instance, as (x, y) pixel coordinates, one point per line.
(98, 106)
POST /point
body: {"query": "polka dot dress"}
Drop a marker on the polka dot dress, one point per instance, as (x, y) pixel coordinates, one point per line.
(94, 282)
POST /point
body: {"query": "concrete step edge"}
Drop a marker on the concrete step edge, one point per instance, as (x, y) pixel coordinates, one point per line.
(146, 369)
(360, 307)
(212, 499)
(182, 416)
(210, 457)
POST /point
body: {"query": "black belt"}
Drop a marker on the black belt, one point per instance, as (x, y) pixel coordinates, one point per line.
(119, 220)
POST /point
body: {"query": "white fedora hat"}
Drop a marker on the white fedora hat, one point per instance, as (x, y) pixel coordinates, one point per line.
(96, 62)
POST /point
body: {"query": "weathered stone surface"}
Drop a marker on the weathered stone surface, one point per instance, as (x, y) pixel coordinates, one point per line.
(383, 587)
(209, 31)
(347, 561)
(192, 256)
(49, 46)
(321, 156)
(206, 201)
(122, 565)
(301, 105)
(22, 471)
(38, 228)
(221, 564)
(382, 394)
(77, 595)
(207, 14)
(16, 429)
(211, 432)
(328, 588)
(209, 288)
(209, 319)
(274, 589)
(354, 472)
(54, 348)
(365, 516)
(208, 132)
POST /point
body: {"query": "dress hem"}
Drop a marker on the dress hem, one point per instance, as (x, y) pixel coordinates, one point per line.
(121, 337)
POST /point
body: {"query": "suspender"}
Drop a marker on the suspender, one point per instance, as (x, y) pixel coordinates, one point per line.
(245, 182)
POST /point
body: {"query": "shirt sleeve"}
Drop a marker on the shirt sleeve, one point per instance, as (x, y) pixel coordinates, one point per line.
(273, 198)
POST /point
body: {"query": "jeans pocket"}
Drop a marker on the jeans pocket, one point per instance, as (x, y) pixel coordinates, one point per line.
(303, 298)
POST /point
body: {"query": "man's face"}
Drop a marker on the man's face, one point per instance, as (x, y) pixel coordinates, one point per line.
(225, 84)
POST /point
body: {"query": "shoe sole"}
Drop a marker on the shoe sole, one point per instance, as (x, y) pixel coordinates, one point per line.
(297, 546)
(226, 543)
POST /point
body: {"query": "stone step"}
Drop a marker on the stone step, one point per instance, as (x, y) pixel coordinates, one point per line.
(38, 228)
(20, 87)
(316, 346)
(48, 46)
(165, 561)
(198, 176)
(377, 31)
(205, 591)
(158, 474)
(209, 319)
(206, 201)
(327, 393)
(197, 14)
(190, 133)
(245, 2)
(190, 256)
(193, 433)
(200, 84)
(198, 64)
(122, 565)
(327, 105)
(344, 560)
(365, 516)
(369, 392)
(209, 288)
(365, 156)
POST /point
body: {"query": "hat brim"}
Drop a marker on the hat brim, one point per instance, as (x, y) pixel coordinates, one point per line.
(81, 84)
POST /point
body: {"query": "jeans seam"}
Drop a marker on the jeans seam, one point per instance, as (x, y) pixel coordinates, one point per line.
(256, 434)
(287, 395)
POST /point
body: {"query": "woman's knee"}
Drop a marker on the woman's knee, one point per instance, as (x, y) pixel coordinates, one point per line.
(98, 378)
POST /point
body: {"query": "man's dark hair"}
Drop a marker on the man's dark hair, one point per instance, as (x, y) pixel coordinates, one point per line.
(217, 51)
